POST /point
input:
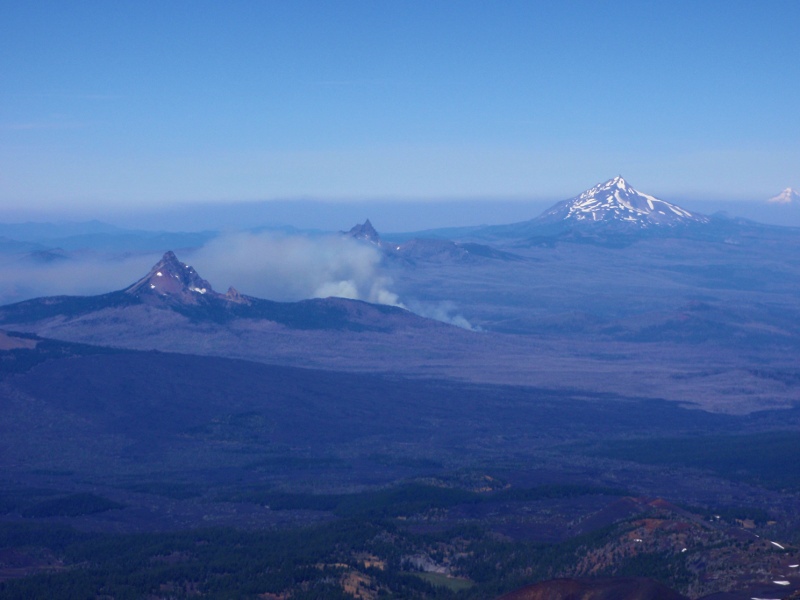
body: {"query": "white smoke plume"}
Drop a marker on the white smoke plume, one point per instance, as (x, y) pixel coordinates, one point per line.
(288, 268)
(444, 311)
(264, 265)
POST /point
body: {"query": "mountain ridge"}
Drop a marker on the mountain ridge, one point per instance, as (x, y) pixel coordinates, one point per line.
(174, 287)
(598, 217)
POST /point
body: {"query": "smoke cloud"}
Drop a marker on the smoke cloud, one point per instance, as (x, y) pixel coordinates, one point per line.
(85, 275)
(288, 268)
(444, 311)
(265, 265)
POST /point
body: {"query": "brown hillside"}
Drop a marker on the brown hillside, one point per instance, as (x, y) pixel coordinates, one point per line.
(595, 589)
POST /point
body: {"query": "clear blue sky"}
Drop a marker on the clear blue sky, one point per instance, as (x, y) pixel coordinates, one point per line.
(153, 103)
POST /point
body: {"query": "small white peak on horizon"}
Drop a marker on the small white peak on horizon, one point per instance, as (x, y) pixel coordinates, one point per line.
(787, 196)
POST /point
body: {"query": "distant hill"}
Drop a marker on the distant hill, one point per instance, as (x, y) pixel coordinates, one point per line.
(428, 249)
(98, 236)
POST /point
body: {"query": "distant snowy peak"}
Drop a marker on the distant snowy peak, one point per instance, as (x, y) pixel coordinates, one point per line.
(787, 196)
(617, 202)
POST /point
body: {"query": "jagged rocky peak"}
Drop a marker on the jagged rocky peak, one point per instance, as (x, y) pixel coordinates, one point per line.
(171, 278)
(787, 196)
(366, 232)
(233, 295)
(616, 201)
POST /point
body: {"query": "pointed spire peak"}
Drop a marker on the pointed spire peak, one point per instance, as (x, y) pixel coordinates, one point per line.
(170, 261)
(366, 228)
(365, 232)
(233, 295)
(170, 277)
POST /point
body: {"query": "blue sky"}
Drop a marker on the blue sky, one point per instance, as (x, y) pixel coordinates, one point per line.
(144, 104)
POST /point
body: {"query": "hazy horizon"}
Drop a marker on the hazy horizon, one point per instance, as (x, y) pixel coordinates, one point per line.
(389, 216)
(113, 109)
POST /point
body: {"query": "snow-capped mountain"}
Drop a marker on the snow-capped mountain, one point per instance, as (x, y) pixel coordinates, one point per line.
(615, 201)
(787, 196)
